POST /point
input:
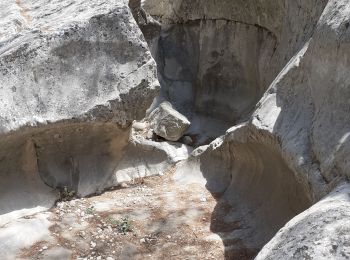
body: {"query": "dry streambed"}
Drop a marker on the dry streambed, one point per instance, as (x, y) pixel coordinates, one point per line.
(159, 217)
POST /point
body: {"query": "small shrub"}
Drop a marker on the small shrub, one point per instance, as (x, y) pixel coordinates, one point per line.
(122, 226)
(65, 194)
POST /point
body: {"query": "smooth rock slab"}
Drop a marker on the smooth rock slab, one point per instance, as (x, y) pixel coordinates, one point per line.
(24, 233)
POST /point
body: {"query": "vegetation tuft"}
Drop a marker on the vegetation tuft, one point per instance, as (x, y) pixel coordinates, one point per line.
(66, 194)
(123, 226)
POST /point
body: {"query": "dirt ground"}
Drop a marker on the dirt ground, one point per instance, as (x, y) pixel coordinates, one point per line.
(153, 218)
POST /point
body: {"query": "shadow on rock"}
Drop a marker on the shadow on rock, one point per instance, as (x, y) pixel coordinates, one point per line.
(256, 194)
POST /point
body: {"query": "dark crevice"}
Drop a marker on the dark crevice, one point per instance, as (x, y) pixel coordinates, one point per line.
(189, 21)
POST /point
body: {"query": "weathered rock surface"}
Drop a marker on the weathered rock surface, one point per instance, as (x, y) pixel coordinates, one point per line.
(217, 58)
(167, 122)
(306, 108)
(298, 131)
(144, 157)
(251, 177)
(23, 233)
(149, 26)
(321, 232)
(74, 75)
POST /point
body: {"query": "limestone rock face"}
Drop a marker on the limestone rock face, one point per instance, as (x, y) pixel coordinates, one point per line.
(321, 232)
(217, 58)
(148, 25)
(262, 86)
(254, 179)
(72, 59)
(144, 157)
(73, 77)
(168, 123)
(306, 108)
(279, 69)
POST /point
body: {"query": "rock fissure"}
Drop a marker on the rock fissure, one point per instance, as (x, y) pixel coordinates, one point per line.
(199, 20)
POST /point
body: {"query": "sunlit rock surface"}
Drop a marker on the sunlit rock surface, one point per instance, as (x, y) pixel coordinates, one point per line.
(295, 122)
(265, 85)
(73, 77)
(168, 123)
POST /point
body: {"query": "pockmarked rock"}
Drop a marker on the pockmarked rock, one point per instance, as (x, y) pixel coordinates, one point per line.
(264, 83)
(73, 77)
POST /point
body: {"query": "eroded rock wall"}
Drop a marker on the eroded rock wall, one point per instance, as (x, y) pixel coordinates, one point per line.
(320, 232)
(300, 125)
(74, 75)
(307, 109)
(253, 178)
(217, 58)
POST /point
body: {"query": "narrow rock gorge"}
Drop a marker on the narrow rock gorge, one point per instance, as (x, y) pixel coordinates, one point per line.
(180, 129)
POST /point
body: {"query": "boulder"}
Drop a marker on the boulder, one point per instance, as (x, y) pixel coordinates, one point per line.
(73, 77)
(321, 232)
(168, 123)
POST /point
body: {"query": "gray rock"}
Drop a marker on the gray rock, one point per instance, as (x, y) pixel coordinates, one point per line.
(143, 157)
(306, 108)
(23, 233)
(75, 74)
(321, 232)
(73, 77)
(207, 66)
(58, 253)
(187, 140)
(292, 92)
(167, 122)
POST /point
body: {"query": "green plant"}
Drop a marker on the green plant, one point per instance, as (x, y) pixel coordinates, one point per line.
(124, 225)
(66, 194)
(91, 210)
